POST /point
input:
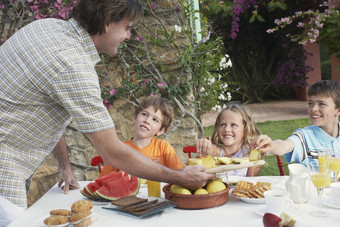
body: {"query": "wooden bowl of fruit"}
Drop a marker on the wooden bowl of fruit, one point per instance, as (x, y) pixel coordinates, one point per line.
(207, 197)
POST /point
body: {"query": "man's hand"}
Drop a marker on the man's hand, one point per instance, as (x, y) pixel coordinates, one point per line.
(70, 181)
(64, 167)
(195, 177)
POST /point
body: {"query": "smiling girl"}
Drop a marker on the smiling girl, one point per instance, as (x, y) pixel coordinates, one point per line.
(233, 133)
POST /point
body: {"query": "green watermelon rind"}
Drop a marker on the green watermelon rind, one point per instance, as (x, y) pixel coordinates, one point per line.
(86, 194)
(99, 194)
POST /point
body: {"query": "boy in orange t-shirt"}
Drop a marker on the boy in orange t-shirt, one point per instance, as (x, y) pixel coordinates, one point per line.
(152, 118)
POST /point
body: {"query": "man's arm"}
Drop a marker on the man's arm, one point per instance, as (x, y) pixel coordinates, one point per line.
(116, 153)
(64, 166)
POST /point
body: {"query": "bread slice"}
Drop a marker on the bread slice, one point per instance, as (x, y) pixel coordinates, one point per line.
(128, 201)
(140, 205)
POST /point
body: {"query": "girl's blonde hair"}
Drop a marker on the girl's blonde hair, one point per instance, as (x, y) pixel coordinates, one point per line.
(250, 128)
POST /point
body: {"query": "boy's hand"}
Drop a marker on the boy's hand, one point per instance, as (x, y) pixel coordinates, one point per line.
(263, 143)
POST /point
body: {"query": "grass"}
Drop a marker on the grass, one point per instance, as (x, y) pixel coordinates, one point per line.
(275, 130)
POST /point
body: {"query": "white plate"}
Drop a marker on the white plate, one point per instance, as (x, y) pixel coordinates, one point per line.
(98, 202)
(258, 223)
(250, 200)
(293, 212)
(39, 222)
(328, 201)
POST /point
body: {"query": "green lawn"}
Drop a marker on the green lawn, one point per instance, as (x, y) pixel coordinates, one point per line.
(275, 130)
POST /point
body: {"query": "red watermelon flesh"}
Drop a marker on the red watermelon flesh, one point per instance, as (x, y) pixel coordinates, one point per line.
(109, 177)
(119, 188)
(92, 187)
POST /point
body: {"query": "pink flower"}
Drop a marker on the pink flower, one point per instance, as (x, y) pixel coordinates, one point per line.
(177, 8)
(151, 94)
(154, 6)
(139, 38)
(160, 85)
(2, 6)
(112, 91)
(107, 104)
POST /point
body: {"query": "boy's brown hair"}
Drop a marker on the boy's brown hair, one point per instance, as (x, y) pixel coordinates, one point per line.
(157, 103)
(94, 15)
(328, 88)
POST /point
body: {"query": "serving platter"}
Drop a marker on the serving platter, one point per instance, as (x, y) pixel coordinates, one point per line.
(120, 210)
(224, 168)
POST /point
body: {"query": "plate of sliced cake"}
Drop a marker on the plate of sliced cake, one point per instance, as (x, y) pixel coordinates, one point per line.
(250, 192)
(137, 207)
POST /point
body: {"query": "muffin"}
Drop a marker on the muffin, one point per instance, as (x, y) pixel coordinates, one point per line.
(81, 205)
(56, 220)
(61, 212)
(81, 219)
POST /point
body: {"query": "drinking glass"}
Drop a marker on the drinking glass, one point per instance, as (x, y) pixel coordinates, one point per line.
(154, 187)
(324, 156)
(319, 173)
(334, 162)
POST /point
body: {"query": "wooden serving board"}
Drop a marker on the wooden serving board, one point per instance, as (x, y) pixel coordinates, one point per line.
(224, 168)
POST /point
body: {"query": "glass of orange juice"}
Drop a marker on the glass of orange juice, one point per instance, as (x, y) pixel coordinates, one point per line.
(323, 155)
(334, 162)
(154, 187)
(319, 173)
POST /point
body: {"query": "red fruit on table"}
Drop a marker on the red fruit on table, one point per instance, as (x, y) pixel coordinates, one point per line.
(271, 220)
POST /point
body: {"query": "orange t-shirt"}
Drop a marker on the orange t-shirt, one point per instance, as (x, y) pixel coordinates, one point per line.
(158, 148)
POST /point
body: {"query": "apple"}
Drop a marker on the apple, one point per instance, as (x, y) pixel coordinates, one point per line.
(271, 220)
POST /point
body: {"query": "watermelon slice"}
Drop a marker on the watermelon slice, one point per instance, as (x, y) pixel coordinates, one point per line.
(86, 194)
(102, 181)
(91, 188)
(119, 188)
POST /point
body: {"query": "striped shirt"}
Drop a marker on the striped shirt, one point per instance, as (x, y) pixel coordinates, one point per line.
(308, 138)
(47, 78)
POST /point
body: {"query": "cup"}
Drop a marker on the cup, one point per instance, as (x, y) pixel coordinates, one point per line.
(277, 201)
(335, 192)
(154, 187)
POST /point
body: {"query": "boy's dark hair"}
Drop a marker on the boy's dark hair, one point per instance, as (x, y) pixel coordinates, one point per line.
(94, 15)
(157, 103)
(327, 88)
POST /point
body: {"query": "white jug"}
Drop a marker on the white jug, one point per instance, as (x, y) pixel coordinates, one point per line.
(298, 183)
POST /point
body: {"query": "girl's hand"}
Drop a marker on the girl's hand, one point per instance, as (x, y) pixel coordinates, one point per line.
(204, 147)
(263, 143)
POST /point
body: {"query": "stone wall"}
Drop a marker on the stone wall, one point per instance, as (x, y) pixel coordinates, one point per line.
(80, 149)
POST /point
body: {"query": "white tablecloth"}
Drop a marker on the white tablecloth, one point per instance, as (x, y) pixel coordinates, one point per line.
(233, 213)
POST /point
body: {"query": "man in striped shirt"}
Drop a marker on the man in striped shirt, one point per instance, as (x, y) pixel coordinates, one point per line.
(47, 78)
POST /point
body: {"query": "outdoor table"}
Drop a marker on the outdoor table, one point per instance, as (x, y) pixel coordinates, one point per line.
(233, 213)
